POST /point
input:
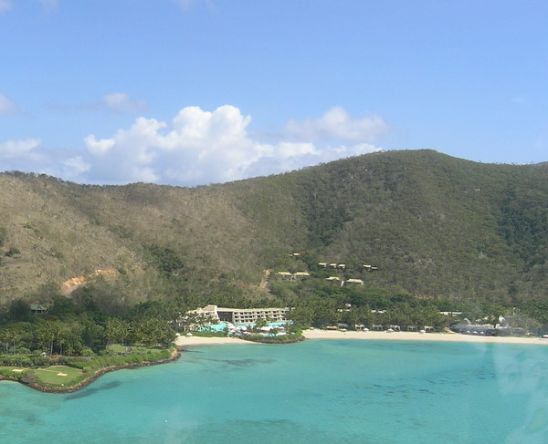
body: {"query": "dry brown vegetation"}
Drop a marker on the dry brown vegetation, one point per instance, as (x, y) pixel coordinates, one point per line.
(437, 226)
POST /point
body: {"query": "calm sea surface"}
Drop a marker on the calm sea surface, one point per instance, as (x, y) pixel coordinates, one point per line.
(312, 392)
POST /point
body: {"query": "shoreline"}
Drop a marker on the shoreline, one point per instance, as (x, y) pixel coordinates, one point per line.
(182, 342)
(316, 334)
(175, 354)
(189, 341)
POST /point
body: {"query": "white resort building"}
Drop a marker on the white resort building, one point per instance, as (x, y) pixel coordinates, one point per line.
(240, 315)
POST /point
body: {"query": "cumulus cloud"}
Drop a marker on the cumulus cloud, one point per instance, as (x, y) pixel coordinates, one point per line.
(337, 124)
(195, 147)
(74, 167)
(17, 149)
(25, 155)
(5, 5)
(121, 102)
(7, 106)
(199, 147)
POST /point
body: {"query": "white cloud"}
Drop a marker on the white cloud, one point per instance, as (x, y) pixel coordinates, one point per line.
(7, 106)
(18, 149)
(25, 155)
(98, 146)
(196, 147)
(336, 124)
(121, 102)
(74, 167)
(5, 5)
(199, 147)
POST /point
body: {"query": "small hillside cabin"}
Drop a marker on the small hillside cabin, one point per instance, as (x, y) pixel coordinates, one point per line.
(286, 275)
(38, 308)
(301, 275)
(355, 281)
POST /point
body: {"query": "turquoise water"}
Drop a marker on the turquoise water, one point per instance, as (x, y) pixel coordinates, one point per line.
(219, 327)
(311, 392)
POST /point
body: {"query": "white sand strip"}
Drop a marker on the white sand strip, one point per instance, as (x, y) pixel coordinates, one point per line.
(413, 336)
(187, 341)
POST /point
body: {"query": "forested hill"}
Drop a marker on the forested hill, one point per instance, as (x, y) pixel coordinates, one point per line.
(433, 224)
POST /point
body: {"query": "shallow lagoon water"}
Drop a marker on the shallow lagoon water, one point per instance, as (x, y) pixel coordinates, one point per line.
(311, 392)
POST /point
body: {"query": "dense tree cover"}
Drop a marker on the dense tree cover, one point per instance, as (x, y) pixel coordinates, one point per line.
(319, 303)
(452, 233)
(79, 328)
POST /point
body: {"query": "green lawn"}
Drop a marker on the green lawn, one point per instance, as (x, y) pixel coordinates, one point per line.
(58, 375)
(80, 367)
(13, 372)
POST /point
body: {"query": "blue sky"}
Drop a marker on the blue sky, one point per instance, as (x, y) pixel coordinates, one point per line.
(199, 91)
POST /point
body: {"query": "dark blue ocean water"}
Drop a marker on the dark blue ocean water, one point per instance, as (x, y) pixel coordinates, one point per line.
(312, 392)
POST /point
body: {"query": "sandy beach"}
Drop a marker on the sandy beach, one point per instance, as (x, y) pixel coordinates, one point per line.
(412, 336)
(187, 341)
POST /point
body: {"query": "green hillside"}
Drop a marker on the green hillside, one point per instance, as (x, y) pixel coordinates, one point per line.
(436, 226)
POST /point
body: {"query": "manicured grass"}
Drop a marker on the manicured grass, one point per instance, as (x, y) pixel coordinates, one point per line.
(13, 372)
(80, 368)
(58, 375)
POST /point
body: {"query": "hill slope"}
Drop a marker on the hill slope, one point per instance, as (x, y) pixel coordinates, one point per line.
(435, 225)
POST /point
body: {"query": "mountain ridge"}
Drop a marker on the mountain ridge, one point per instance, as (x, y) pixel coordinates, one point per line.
(437, 226)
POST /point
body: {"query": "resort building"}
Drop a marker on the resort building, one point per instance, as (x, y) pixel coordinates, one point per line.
(207, 313)
(322, 264)
(240, 315)
(355, 281)
(333, 279)
(284, 274)
(301, 275)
